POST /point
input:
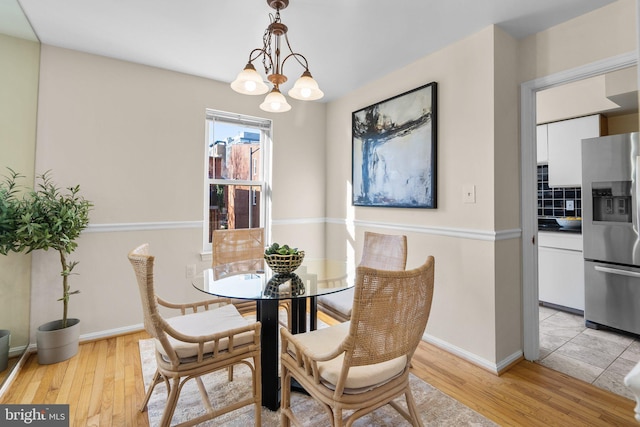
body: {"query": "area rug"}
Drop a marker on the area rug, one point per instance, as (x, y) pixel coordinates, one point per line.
(435, 408)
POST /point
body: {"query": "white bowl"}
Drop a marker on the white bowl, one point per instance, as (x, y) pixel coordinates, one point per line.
(569, 222)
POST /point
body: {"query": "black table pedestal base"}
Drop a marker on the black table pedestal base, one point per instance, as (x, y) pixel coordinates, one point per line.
(267, 313)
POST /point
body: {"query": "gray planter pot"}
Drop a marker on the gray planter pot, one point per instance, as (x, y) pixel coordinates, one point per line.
(5, 338)
(56, 344)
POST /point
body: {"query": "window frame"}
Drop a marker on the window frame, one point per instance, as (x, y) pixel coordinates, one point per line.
(264, 126)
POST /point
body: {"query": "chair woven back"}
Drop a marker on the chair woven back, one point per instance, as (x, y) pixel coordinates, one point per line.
(142, 264)
(384, 251)
(390, 313)
(244, 244)
(238, 251)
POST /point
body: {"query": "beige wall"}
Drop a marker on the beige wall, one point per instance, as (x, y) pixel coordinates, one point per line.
(508, 290)
(477, 130)
(18, 107)
(477, 305)
(133, 137)
(603, 33)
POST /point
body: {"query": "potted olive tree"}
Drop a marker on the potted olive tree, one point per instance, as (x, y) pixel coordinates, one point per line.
(52, 218)
(9, 214)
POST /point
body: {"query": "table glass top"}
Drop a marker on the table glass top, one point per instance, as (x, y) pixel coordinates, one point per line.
(252, 280)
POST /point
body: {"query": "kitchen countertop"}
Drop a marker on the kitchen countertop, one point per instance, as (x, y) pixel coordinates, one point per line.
(560, 230)
(550, 224)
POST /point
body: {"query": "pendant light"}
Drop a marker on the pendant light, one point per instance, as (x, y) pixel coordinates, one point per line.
(249, 81)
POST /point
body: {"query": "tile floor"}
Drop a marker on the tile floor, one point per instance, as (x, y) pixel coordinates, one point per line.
(600, 357)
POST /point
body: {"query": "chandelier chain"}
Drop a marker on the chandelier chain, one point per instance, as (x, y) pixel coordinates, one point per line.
(266, 57)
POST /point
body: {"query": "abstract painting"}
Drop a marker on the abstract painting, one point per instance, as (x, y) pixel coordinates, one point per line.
(394, 151)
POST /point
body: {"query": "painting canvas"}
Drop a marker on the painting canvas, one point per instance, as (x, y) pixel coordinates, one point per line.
(394, 151)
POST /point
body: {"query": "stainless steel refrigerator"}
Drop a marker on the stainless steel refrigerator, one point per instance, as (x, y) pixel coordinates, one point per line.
(610, 218)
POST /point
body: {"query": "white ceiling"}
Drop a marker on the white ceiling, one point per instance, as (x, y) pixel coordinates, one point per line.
(347, 42)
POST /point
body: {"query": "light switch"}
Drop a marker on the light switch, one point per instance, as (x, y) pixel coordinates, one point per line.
(569, 205)
(469, 193)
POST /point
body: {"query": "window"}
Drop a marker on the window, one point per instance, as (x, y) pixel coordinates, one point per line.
(237, 159)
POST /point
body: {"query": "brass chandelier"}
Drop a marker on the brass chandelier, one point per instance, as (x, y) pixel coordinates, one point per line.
(249, 82)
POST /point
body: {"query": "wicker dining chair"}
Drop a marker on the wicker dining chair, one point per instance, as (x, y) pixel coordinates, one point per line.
(239, 251)
(381, 251)
(363, 364)
(207, 336)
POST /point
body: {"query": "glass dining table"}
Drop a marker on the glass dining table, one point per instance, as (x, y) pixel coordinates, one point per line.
(255, 281)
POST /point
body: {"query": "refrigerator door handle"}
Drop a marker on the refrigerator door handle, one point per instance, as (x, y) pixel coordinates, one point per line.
(635, 220)
(616, 271)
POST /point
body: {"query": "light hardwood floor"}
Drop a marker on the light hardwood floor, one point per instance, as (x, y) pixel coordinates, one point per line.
(103, 385)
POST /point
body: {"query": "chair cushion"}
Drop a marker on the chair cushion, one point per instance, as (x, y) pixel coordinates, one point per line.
(341, 302)
(206, 322)
(360, 378)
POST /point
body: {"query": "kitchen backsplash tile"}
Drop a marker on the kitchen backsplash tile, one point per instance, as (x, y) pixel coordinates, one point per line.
(554, 201)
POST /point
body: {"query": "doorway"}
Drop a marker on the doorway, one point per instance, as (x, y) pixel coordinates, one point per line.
(528, 193)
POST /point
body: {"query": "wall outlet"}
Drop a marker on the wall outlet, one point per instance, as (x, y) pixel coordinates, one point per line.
(190, 271)
(569, 205)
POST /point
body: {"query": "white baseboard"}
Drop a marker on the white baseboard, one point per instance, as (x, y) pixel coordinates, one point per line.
(483, 363)
(495, 368)
(17, 351)
(111, 332)
(108, 333)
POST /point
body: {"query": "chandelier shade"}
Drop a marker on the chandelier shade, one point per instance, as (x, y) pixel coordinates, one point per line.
(306, 88)
(250, 82)
(275, 102)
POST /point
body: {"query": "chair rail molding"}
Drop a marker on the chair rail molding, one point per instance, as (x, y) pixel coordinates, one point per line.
(462, 233)
(142, 226)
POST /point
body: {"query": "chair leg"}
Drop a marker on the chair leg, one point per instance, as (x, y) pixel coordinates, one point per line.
(204, 395)
(172, 401)
(287, 307)
(337, 417)
(413, 411)
(285, 400)
(157, 377)
(257, 390)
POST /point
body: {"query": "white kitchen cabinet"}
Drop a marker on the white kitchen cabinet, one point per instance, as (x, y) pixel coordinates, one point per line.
(565, 148)
(561, 269)
(541, 144)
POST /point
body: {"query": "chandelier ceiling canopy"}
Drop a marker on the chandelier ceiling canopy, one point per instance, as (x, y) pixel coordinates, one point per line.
(249, 81)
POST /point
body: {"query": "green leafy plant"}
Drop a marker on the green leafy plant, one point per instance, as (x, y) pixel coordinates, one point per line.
(9, 212)
(275, 248)
(52, 218)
